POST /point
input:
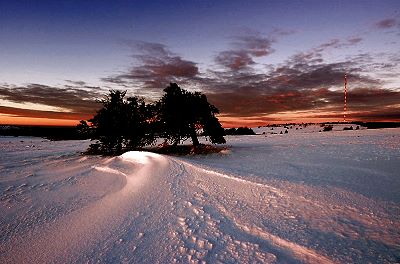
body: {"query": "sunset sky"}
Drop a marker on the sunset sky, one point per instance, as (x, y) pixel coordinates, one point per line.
(259, 62)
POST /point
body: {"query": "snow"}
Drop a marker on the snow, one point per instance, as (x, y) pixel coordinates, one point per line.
(301, 197)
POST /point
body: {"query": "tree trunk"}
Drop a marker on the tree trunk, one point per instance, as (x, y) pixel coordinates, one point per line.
(195, 140)
(193, 136)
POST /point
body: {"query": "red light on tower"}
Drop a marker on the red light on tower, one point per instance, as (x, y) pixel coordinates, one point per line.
(345, 98)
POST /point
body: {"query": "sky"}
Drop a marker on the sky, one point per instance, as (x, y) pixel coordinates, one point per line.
(258, 62)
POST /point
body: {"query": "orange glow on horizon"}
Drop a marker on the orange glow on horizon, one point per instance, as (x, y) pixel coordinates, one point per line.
(33, 121)
(279, 118)
(254, 123)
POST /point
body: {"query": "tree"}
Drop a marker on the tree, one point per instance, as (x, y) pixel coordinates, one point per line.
(327, 128)
(181, 114)
(239, 131)
(84, 130)
(121, 124)
(141, 130)
(128, 124)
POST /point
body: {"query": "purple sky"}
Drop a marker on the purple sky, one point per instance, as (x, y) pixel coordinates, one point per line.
(257, 61)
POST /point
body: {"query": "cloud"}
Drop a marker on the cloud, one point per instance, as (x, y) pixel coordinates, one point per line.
(255, 44)
(158, 66)
(386, 23)
(234, 59)
(75, 101)
(119, 80)
(304, 82)
(373, 99)
(298, 72)
(354, 40)
(388, 114)
(315, 54)
(391, 114)
(242, 104)
(303, 76)
(76, 83)
(283, 32)
(81, 85)
(245, 49)
(18, 112)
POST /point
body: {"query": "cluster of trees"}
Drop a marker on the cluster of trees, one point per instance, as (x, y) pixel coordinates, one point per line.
(48, 132)
(239, 131)
(327, 128)
(129, 123)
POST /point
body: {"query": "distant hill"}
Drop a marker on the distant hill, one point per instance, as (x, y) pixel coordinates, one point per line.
(49, 132)
(376, 125)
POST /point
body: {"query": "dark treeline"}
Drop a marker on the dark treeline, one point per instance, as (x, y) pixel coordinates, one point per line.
(48, 132)
(239, 131)
(131, 123)
(377, 125)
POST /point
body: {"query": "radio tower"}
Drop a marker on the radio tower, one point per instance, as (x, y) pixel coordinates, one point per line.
(345, 98)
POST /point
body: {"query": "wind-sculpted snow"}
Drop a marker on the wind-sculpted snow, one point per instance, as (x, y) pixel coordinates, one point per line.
(313, 198)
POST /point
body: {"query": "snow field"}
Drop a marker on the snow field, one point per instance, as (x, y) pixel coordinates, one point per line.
(297, 198)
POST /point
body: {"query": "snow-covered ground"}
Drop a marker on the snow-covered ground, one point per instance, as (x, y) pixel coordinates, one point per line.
(330, 197)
